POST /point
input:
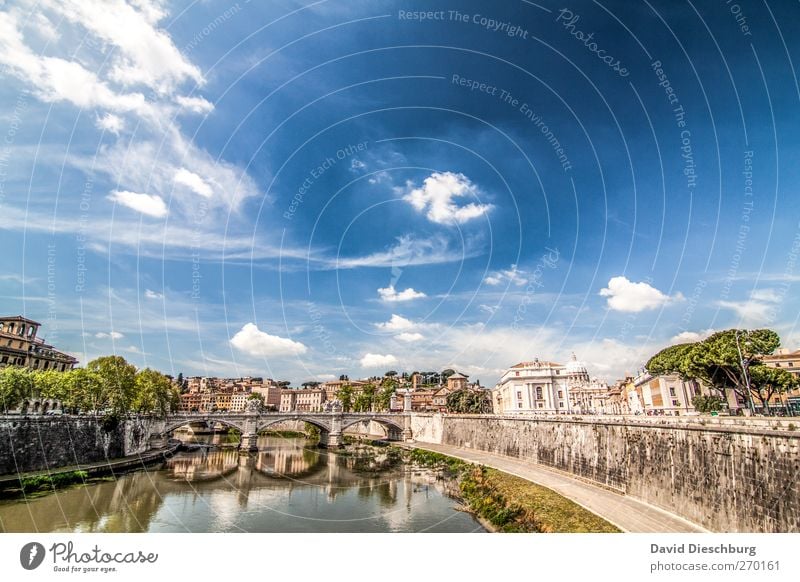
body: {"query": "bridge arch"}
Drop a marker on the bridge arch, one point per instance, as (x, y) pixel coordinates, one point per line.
(266, 423)
(173, 426)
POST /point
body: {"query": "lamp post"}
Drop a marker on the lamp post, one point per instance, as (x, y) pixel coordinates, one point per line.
(746, 374)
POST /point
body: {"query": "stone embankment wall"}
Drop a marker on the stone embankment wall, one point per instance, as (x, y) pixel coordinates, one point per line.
(723, 476)
(39, 443)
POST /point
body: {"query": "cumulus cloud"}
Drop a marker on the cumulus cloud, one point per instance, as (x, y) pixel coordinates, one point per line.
(153, 294)
(396, 323)
(143, 53)
(149, 204)
(437, 198)
(113, 335)
(391, 295)
(512, 276)
(625, 295)
(409, 337)
(686, 337)
(255, 342)
(194, 182)
(377, 360)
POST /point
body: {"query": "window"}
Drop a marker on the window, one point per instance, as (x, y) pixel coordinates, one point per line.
(672, 391)
(516, 373)
(791, 364)
(541, 405)
(561, 405)
(675, 403)
(519, 404)
(539, 392)
(777, 364)
(561, 394)
(519, 394)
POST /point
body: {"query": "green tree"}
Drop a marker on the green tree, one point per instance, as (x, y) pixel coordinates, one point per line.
(345, 396)
(765, 382)
(16, 385)
(384, 397)
(721, 361)
(707, 403)
(87, 390)
(119, 382)
(469, 402)
(390, 374)
(366, 399)
(153, 393)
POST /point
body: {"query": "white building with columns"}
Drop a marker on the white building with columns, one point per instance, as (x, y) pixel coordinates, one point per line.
(540, 387)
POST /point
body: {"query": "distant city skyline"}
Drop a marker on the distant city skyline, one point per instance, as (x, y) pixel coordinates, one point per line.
(299, 191)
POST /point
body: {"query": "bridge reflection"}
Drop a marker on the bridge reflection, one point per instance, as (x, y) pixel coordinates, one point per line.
(146, 500)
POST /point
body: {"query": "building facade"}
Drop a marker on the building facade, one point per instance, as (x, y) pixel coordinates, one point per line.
(538, 387)
(665, 395)
(19, 346)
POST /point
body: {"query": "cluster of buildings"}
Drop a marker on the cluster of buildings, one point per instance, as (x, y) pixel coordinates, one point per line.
(208, 394)
(202, 394)
(533, 387)
(542, 387)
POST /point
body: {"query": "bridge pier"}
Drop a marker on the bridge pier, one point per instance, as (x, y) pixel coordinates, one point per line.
(249, 442)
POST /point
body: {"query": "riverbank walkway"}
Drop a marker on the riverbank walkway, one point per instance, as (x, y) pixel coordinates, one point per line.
(626, 513)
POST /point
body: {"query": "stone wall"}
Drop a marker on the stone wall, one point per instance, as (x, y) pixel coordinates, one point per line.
(725, 478)
(38, 443)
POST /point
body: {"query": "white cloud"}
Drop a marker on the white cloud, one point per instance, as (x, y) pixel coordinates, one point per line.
(759, 309)
(111, 123)
(686, 337)
(194, 182)
(356, 165)
(144, 54)
(149, 204)
(408, 251)
(391, 295)
(437, 197)
(113, 335)
(377, 360)
(766, 295)
(194, 104)
(396, 323)
(153, 294)
(409, 337)
(512, 275)
(255, 342)
(627, 296)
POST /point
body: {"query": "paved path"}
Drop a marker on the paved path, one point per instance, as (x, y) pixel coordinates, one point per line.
(624, 512)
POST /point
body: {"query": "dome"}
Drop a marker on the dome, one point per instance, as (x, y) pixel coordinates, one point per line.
(574, 367)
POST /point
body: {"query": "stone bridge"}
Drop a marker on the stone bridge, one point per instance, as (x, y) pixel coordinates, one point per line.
(249, 424)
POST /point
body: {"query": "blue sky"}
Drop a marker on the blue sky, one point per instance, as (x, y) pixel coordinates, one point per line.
(302, 190)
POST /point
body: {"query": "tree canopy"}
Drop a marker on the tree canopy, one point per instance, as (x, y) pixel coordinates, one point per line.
(467, 401)
(729, 359)
(107, 385)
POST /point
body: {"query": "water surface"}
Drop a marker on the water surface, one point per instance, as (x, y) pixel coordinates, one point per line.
(288, 486)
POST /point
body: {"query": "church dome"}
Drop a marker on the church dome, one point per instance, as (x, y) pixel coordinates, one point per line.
(574, 367)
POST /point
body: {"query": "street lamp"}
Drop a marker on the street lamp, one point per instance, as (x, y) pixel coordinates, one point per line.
(746, 374)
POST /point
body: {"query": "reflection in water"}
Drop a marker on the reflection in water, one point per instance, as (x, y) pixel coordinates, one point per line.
(287, 486)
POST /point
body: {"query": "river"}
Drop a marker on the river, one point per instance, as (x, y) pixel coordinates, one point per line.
(289, 485)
